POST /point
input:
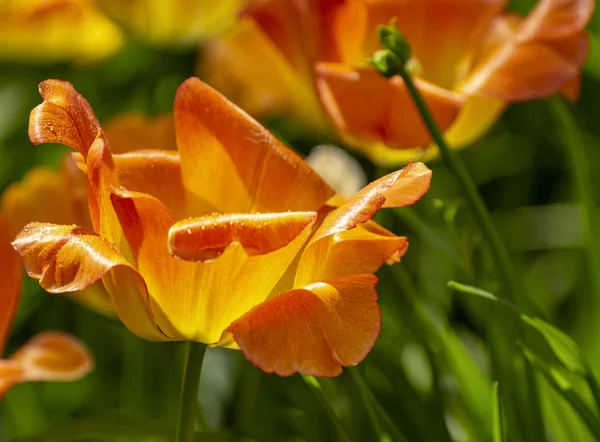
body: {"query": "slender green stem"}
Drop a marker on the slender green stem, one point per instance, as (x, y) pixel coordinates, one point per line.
(189, 391)
(457, 167)
(580, 166)
(314, 386)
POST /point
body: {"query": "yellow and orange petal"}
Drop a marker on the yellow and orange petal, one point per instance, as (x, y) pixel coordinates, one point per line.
(197, 300)
(369, 108)
(254, 169)
(72, 258)
(10, 282)
(314, 330)
(49, 356)
(397, 189)
(133, 131)
(56, 30)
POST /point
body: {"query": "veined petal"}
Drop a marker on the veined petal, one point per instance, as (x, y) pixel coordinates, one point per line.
(397, 189)
(314, 330)
(442, 33)
(367, 107)
(129, 132)
(553, 36)
(155, 172)
(10, 282)
(204, 238)
(197, 300)
(244, 168)
(64, 117)
(53, 356)
(70, 258)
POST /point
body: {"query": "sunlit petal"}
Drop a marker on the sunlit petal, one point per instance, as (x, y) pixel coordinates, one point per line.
(314, 330)
(70, 258)
(200, 239)
(129, 132)
(243, 167)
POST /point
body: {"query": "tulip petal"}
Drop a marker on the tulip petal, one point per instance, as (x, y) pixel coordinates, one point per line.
(10, 374)
(204, 238)
(129, 132)
(155, 172)
(442, 34)
(70, 258)
(197, 300)
(552, 35)
(314, 330)
(244, 168)
(64, 117)
(10, 282)
(53, 356)
(367, 107)
(320, 256)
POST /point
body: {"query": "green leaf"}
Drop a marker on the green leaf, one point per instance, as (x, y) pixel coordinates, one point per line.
(107, 427)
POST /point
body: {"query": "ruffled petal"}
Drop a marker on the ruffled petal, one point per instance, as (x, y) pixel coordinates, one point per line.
(10, 282)
(314, 330)
(70, 258)
(204, 238)
(319, 258)
(197, 300)
(64, 117)
(155, 172)
(553, 36)
(243, 167)
(133, 131)
(368, 108)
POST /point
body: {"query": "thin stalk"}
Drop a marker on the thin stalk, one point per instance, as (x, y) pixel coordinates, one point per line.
(482, 216)
(189, 391)
(580, 166)
(314, 386)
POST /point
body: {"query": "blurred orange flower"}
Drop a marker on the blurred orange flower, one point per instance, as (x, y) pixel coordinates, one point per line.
(228, 241)
(49, 356)
(60, 196)
(469, 61)
(173, 22)
(56, 30)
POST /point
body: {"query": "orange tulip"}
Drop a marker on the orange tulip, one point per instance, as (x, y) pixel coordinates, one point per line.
(56, 30)
(229, 241)
(60, 196)
(469, 61)
(49, 356)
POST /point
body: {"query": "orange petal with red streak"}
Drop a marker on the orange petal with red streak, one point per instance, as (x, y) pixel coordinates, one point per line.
(314, 330)
(367, 107)
(204, 238)
(64, 117)
(243, 167)
(71, 258)
(10, 282)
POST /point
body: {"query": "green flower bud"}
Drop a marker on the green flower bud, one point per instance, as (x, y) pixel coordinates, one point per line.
(392, 39)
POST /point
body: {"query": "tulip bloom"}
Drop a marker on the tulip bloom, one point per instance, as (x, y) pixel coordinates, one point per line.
(56, 30)
(173, 22)
(49, 356)
(470, 60)
(60, 196)
(228, 241)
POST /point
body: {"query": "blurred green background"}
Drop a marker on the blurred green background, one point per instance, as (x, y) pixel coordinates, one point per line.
(431, 374)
